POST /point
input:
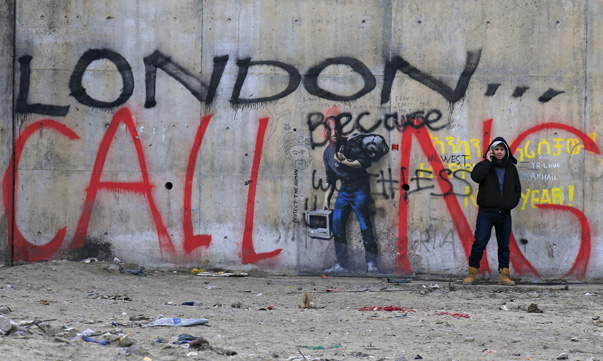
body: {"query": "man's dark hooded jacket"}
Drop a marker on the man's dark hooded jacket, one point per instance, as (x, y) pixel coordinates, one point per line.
(484, 173)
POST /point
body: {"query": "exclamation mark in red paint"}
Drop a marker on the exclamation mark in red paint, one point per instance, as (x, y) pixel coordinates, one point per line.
(248, 252)
(570, 191)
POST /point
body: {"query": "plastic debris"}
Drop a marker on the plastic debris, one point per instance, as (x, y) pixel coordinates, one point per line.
(177, 322)
(185, 338)
(90, 339)
(138, 271)
(7, 325)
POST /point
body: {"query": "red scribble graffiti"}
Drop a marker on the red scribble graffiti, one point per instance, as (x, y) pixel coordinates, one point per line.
(143, 187)
(248, 254)
(518, 261)
(487, 128)
(21, 248)
(454, 208)
(192, 241)
(589, 144)
(402, 259)
(581, 263)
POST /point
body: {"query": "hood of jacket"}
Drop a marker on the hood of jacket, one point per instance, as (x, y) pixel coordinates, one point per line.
(501, 140)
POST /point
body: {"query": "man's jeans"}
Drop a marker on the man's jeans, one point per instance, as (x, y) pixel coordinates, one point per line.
(483, 229)
(356, 198)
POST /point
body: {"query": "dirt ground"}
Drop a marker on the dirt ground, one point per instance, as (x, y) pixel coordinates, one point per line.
(58, 304)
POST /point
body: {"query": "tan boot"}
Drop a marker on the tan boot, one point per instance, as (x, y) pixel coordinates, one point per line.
(471, 277)
(504, 278)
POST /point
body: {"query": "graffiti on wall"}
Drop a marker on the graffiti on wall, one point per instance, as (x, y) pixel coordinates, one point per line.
(206, 93)
(443, 174)
(22, 249)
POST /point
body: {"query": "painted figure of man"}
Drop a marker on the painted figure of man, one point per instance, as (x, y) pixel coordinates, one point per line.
(499, 192)
(353, 195)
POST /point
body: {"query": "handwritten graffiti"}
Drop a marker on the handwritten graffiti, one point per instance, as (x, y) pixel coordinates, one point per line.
(430, 239)
(206, 93)
(444, 175)
(559, 146)
(391, 121)
(143, 187)
(388, 184)
(554, 147)
(520, 91)
(544, 199)
(192, 241)
(248, 254)
(22, 249)
(295, 196)
(555, 195)
(385, 181)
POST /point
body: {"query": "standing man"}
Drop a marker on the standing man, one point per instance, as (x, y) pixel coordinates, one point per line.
(354, 195)
(499, 192)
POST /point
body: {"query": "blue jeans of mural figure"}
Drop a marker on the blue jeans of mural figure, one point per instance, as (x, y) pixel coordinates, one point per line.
(483, 229)
(353, 198)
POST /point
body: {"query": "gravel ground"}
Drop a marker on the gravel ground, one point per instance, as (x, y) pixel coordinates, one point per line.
(58, 304)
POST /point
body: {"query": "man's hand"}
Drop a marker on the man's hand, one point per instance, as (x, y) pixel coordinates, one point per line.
(340, 158)
(489, 155)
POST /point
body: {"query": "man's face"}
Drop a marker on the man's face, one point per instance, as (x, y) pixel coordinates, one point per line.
(300, 157)
(499, 152)
(332, 133)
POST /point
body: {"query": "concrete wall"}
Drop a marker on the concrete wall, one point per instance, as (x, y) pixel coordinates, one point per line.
(188, 133)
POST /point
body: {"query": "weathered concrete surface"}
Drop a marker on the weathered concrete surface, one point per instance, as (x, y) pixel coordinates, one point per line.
(6, 107)
(211, 135)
